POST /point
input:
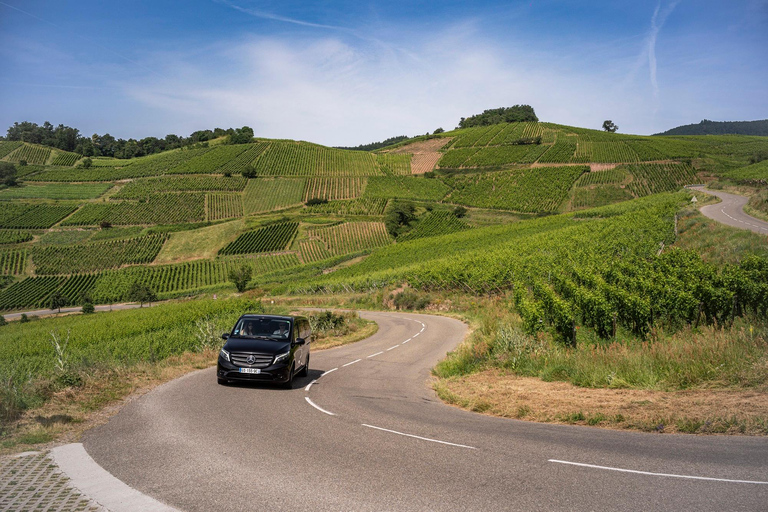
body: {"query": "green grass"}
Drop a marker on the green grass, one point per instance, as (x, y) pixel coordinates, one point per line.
(56, 191)
(198, 243)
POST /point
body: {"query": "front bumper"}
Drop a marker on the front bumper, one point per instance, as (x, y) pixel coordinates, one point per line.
(276, 373)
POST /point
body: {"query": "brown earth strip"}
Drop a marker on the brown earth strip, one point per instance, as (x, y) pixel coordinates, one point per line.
(425, 154)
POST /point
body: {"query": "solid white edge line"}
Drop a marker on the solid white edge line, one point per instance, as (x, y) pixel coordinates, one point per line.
(310, 385)
(329, 371)
(376, 354)
(351, 363)
(668, 475)
(313, 404)
(392, 348)
(419, 437)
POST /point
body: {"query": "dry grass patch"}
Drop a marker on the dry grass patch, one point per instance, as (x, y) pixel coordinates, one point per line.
(701, 411)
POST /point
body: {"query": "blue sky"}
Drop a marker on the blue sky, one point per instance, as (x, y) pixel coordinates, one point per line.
(347, 73)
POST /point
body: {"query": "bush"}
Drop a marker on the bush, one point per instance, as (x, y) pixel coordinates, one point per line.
(88, 308)
(315, 201)
(24, 318)
(459, 212)
(105, 224)
(3, 321)
(240, 277)
(249, 172)
(86, 163)
(408, 299)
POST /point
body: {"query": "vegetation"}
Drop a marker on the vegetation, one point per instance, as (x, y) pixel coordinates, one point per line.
(516, 114)
(240, 277)
(267, 239)
(172, 208)
(56, 191)
(38, 216)
(373, 146)
(707, 127)
(143, 188)
(267, 194)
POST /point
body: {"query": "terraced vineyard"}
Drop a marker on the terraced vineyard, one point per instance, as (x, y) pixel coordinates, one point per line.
(14, 237)
(13, 262)
(267, 239)
(361, 206)
(524, 190)
(158, 209)
(65, 158)
(267, 194)
(394, 164)
(352, 237)
(599, 195)
(56, 191)
(30, 154)
(224, 206)
(29, 293)
(39, 216)
(8, 147)
(212, 161)
(142, 188)
(613, 176)
(80, 258)
(655, 178)
(93, 174)
(334, 188)
(304, 159)
(245, 159)
(313, 250)
(417, 188)
(435, 223)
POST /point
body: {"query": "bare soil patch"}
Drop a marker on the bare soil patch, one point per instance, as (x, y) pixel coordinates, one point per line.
(425, 154)
(700, 411)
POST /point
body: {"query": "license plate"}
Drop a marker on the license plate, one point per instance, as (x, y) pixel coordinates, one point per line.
(250, 370)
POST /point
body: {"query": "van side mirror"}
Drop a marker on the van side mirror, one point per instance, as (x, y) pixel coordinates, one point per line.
(225, 336)
(299, 341)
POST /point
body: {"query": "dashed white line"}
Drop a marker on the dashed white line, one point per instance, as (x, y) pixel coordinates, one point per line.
(310, 385)
(416, 334)
(376, 354)
(351, 363)
(392, 348)
(329, 371)
(406, 341)
(667, 475)
(313, 404)
(419, 437)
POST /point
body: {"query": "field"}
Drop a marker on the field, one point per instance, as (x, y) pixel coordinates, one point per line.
(14, 237)
(8, 147)
(80, 258)
(385, 187)
(224, 206)
(29, 153)
(267, 239)
(655, 178)
(524, 190)
(313, 250)
(435, 223)
(352, 237)
(425, 154)
(56, 191)
(13, 261)
(304, 159)
(212, 161)
(39, 216)
(158, 209)
(267, 194)
(65, 158)
(361, 206)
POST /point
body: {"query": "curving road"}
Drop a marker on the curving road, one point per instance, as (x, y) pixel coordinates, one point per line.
(364, 432)
(731, 211)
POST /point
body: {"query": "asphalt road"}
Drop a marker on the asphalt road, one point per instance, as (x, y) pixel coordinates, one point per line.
(75, 309)
(731, 211)
(370, 435)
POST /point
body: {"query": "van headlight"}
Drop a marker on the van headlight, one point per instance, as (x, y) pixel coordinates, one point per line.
(224, 355)
(282, 357)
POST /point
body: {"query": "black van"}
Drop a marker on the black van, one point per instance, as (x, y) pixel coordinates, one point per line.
(265, 348)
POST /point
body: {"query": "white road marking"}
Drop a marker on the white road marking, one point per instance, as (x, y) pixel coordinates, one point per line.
(310, 385)
(668, 475)
(406, 341)
(416, 334)
(351, 363)
(376, 354)
(419, 437)
(329, 371)
(313, 404)
(392, 348)
(422, 330)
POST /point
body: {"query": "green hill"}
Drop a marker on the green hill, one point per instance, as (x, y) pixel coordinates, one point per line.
(706, 127)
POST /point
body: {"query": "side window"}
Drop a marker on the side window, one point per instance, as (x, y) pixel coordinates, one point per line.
(307, 330)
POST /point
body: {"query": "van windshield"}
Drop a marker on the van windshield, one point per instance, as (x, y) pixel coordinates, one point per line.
(262, 328)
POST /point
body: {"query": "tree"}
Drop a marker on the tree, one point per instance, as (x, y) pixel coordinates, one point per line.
(87, 162)
(141, 293)
(240, 277)
(250, 172)
(399, 214)
(57, 301)
(609, 126)
(105, 224)
(439, 130)
(459, 212)
(88, 308)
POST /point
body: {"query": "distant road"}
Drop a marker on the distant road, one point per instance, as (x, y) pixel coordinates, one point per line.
(731, 211)
(45, 312)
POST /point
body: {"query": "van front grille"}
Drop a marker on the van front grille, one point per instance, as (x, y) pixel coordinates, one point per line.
(258, 360)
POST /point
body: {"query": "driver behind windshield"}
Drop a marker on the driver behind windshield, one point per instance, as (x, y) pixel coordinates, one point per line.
(282, 330)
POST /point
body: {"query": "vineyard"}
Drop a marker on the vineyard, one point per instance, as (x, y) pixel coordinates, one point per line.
(334, 188)
(142, 188)
(224, 206)
(30, 154)
(361, 206)
(304, 159)
(212, 161)
(392, 164)
(8, 147)
(158, 209)
(39, 216)
(13, 262)
(71, 259)
(313, 250)
(267, 239)
(433, 224)
(93, 174)
(352, 237)
(31, 292)
(655, 178)
(411, 187)
(267, 194)
(56, 191)
(14, 237)
(614, 176)
(65, 158)
(525, 190)
(599, 195)
(755, 173)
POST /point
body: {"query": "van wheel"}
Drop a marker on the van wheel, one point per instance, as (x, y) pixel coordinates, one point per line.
(289, 383)
(222, 382)
(305, 371)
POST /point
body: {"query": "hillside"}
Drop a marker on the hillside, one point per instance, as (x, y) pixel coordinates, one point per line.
(706, 127)
(90, 233)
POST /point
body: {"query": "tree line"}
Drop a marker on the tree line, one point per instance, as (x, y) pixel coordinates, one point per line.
(516, 114)
(67, 138)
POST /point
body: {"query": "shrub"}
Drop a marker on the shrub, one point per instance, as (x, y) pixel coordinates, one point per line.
(249, 172)
(3, 321)
(315, 201)
(408, 299)
(87, 162)
(459, 212)
(24, 318)
(88, 308)
(240, 277)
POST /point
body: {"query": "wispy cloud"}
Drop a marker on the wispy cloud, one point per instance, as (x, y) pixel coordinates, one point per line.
(657, 22)
(276, 17)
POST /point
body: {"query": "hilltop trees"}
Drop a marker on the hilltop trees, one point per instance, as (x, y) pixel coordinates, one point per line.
(516, 114)
(609, 126)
